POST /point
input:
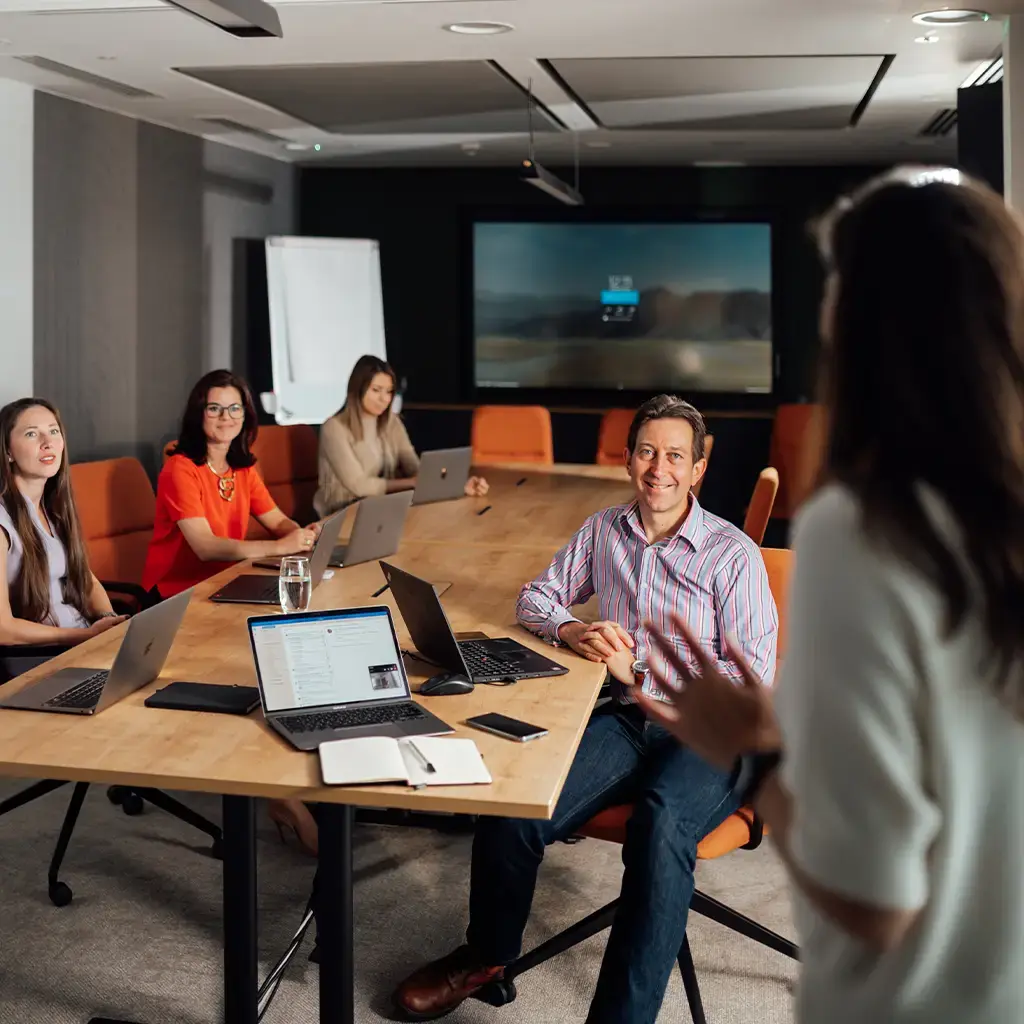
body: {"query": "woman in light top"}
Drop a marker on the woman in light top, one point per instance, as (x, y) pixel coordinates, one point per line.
(364, 448)
(48, 595)
(890, 768)
(209, 488)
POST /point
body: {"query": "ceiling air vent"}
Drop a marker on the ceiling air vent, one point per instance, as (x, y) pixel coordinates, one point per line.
(87, 77)
(941, 124)
(243, 129)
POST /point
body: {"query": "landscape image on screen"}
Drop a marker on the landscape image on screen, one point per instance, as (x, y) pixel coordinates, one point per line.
(623, 306)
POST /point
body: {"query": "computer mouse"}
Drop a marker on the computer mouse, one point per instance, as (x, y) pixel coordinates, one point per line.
(446, 684)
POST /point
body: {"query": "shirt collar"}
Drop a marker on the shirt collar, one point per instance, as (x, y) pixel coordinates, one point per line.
(694, 530)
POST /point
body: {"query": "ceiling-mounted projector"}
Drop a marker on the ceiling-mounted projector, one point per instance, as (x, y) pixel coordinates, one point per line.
(543, 179)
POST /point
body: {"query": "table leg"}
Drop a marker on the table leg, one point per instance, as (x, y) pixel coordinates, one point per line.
(333, 909)
(240, 935)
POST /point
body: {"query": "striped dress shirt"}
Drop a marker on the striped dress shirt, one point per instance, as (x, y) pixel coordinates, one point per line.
(708, 572)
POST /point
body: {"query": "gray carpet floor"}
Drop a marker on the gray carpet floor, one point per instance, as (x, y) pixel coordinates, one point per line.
(141, 940)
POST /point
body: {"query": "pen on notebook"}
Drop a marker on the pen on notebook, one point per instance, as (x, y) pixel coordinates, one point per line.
(486, 508)
(521, 481)
(427, 766)
(377, 593)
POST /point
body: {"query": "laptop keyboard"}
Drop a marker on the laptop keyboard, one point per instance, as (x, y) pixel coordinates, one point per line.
(85, 694)
(352, 717)
(483, 661)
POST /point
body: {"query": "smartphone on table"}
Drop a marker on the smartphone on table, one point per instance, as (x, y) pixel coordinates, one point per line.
(509, 728)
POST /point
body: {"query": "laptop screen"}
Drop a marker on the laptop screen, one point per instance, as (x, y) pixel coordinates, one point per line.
(322, 658)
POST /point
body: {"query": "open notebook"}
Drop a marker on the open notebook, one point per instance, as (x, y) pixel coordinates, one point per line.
(369, 759)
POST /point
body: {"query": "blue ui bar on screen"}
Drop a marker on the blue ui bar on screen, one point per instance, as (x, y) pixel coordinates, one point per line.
(623, 298)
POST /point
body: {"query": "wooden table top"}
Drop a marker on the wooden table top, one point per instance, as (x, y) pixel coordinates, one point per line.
(485, 558)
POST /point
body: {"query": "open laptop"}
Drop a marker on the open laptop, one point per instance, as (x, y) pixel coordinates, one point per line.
(250, 588)
(376, 532)
(335, 675)
(483, 661)
(442, 475)
(139, 659)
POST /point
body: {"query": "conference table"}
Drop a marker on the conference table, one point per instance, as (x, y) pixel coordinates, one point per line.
(485, 548)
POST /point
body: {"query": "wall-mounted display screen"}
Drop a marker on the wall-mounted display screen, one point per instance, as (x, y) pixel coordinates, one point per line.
(623, 306)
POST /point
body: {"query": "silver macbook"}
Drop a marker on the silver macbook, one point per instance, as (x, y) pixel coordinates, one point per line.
(252, 588)
(141, 656)
(335, 675)
(378, 528)
(442, 475)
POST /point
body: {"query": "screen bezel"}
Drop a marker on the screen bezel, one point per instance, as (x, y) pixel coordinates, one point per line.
(326, 614)
(604, 398)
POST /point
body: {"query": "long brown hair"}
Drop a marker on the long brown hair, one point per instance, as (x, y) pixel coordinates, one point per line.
(30, 591)
(192, 440)
(359, 381)
(923, 383)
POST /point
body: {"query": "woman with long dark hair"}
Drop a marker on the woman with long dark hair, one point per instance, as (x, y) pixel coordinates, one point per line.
(364, 447)
(891, 770)
(209, 488)
(48, 595)
(205, 495)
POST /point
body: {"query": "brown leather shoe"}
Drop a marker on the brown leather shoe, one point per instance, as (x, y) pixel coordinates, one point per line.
(437, 988)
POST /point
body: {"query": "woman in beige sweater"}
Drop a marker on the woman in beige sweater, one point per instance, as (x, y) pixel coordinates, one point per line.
(364, 448)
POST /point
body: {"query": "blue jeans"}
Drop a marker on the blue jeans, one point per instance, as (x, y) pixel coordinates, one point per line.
(678, 799)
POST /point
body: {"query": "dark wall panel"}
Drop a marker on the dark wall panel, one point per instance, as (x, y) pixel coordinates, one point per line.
(420, 218)
(86, 229)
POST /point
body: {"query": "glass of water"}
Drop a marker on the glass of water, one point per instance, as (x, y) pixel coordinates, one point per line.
(295, 584)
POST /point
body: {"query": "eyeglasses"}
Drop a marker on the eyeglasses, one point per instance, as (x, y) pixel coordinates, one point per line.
(215, 411)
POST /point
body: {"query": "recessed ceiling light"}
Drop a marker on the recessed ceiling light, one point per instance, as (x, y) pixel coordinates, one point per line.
(102, 57)
(930, 38)
(479, 28)
(951, 16)
(297, 147)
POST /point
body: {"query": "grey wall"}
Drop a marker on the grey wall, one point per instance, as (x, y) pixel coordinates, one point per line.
(132, 268)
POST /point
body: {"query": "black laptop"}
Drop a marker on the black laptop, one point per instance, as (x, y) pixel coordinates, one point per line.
(497, 660)
(250, 588)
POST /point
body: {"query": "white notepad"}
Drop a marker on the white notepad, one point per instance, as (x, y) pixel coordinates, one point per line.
(383, 759)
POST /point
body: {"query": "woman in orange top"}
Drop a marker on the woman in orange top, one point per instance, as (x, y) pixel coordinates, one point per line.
(204, 497)
(208, 489)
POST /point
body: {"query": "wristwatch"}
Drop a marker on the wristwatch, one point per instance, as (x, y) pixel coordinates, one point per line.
(640, 668)
(752, 770)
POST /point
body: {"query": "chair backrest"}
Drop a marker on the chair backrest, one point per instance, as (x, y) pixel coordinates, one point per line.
(779, 563)
(512, 433)
(797, 434)
(612, 435)
(709, 443)
(116, 506)
(759, 510)
(286, 458)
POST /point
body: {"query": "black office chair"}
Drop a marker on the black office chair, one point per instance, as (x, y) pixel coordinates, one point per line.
(17, 659)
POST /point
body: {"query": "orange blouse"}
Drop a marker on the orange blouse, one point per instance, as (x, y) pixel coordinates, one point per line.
(187, 491)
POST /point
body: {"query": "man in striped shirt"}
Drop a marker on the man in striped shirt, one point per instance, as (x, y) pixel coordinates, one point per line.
(660, 555)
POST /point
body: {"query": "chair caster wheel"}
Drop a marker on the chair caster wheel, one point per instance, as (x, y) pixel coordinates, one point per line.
(116, 795)
(60, 894)
(217, 850)
(497, 993)
(131, 804)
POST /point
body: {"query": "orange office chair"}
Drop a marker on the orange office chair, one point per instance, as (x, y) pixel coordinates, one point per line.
(612, 435)
(759, 510)
(512, 433)
(743, 830)
(116, 506)
(709, 443)
(286, 458)
(797, 435)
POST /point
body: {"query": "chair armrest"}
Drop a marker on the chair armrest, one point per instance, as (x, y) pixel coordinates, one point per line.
(138, 599)
(32, 650)
(756, 826)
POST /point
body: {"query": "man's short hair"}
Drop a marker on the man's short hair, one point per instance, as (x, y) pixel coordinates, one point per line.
(669, 407)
